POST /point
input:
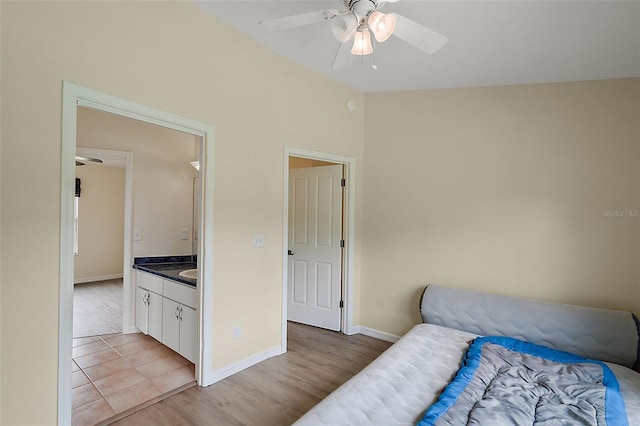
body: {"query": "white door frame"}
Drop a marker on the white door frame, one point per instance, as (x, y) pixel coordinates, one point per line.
(74, 96)
(122, 159)
(348, 231)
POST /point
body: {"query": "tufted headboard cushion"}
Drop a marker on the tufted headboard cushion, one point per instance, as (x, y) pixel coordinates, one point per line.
(594, 333)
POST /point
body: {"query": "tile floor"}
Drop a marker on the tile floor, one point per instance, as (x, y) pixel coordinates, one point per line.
(116, 374)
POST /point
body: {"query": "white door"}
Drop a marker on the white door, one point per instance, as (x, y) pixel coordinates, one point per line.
(315, 255)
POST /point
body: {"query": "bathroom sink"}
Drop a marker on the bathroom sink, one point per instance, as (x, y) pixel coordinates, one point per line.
(189, 273)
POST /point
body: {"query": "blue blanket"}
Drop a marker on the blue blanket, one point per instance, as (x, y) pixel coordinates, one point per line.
(505, 381)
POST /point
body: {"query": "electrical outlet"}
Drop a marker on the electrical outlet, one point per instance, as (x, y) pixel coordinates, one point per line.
(236, 332)
(184, 234)
(137, 234)
(258, 240)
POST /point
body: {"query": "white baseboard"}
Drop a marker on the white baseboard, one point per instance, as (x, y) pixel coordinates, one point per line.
(214, 376)
(98, 278)
(382, 335)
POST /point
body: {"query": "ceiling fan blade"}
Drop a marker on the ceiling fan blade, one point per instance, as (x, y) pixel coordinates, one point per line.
(343, 58)
(298, 20)
(417, 35)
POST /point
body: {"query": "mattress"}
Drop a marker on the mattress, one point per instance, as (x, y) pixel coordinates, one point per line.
(398, 387)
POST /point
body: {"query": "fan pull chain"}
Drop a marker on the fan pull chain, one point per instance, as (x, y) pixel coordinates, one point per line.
(374, 66)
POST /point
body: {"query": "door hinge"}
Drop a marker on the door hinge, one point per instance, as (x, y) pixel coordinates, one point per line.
(341, 243)
(343, 182)
(342, 303)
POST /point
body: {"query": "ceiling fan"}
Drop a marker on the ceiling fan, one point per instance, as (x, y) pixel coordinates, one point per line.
(358, 20)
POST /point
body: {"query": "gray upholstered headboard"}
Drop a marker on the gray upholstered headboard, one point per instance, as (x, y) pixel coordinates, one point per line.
(594, 333)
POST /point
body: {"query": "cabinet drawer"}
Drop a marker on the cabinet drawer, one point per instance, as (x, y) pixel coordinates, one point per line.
(148, 281)
(180, 293)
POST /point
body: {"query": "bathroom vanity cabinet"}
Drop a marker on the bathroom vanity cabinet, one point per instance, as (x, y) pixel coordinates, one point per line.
(166, 310)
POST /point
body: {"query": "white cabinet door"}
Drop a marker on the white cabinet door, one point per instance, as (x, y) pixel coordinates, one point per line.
(141, 310)
(154, 324)
(171, 324)
(188, 333)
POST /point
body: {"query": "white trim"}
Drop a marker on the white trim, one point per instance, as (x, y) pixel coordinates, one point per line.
(121, 159)
(238, 366)
(382, 335)
(72, 96)
(349, 231)
(98, 278)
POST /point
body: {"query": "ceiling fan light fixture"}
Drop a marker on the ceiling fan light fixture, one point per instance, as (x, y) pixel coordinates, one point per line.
(344, 26)
(362, 43)
(382, 25)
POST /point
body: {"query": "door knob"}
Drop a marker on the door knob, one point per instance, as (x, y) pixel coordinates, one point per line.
(290, 253)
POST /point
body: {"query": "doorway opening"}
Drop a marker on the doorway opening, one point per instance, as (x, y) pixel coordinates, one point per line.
(103, 202)
(318, 278)
(75, 96)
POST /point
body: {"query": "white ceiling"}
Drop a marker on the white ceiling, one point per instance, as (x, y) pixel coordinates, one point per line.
(490, 42)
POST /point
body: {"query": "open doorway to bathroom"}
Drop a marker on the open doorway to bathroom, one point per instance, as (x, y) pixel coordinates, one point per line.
(138, 199)
(75, 99)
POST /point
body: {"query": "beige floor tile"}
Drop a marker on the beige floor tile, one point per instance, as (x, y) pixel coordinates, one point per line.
(105, 381)
(182, 360)
(121, 339)
(84, 394)
(158, 367)
(119, 381)
(106, 369)
(130, 397)
(137, 346)
(85, 340)
(96, 358)
(146, 356)
(92, 413)
(78, 378)
(174, 379)
(90, 348)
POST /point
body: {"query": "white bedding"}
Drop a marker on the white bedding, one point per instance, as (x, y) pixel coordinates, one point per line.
(400, 384)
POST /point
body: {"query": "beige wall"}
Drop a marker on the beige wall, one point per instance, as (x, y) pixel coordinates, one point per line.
(173, 57)
(100, 223)
(162, 176)
(505, 189)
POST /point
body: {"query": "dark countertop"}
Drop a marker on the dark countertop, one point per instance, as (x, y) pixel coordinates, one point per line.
(167, 267)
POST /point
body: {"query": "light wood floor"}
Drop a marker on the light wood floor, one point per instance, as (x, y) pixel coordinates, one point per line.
(274, 392)
(97, 308)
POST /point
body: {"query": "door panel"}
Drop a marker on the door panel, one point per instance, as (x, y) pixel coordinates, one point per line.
(324, 212)
(299, 231)
(323, 287)
(315, 231)
(300, 282)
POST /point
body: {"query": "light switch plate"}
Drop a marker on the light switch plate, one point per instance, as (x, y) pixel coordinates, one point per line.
(184, 234)
(137, 234)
